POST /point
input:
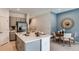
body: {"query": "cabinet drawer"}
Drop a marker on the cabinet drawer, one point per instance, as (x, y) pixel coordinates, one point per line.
(12, 36)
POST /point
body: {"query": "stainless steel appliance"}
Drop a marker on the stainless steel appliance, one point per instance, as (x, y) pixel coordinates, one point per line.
(21, 26)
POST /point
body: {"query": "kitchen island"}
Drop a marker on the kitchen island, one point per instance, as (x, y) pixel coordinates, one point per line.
(32, 43)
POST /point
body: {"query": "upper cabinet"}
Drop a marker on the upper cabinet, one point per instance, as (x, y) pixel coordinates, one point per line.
(13, 21)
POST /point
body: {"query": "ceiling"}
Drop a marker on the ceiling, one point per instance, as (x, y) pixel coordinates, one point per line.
(37, 11)
(60, 10)
(31, 11)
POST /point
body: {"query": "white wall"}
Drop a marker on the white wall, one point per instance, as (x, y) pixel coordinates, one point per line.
(43, 22)
(4, 22)
(4, 12)
(13, 14)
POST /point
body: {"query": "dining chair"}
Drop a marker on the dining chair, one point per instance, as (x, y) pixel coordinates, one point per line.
(68, 38)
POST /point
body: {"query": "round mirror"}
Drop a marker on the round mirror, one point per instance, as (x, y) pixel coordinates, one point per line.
(67, 23)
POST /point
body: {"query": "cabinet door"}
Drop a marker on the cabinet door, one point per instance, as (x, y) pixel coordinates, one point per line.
(45, 44)
(12, 36)
(13, 21)
(33, 46)
(19, 44)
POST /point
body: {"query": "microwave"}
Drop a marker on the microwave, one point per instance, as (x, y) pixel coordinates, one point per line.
(21, 26)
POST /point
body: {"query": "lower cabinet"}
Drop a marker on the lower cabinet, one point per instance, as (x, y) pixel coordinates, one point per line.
(45, 44)
(12, 36)
(30, 46)
(19, 44)
(33, 46)
(42, 44)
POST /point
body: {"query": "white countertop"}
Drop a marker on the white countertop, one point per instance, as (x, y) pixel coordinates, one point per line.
(31, 38)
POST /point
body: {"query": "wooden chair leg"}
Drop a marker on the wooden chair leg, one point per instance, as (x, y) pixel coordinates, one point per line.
(69, 42)
(63, 43)
(59, 41)
(74, 41)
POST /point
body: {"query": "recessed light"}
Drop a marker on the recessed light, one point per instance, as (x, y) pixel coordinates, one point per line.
(59, 9)
(18, 9)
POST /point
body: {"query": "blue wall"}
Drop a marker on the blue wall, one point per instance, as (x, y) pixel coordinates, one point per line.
(53, 23)
(74, 15)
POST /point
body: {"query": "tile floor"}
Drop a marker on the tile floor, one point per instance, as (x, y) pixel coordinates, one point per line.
(8, 46)
(54, 47)
(59, 47)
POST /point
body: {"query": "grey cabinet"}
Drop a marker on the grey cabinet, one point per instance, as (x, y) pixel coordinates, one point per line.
(13, 21)
(19, 44)
(12, 36)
